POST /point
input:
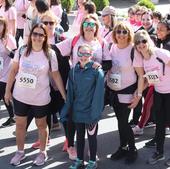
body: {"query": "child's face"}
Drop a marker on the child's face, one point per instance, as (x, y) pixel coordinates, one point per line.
(84, 55)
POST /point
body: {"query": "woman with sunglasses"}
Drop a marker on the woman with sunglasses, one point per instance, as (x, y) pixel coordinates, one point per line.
(7, 44)
(126, 91)
(32, 90)
(156, 64)
(89, 35)
(87, 106)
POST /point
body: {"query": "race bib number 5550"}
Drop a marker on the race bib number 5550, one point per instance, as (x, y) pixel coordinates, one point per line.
(27, 80)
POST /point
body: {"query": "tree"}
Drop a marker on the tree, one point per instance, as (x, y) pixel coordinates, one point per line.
(100, 4)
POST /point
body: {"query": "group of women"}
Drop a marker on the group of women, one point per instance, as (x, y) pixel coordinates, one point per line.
(34, 81)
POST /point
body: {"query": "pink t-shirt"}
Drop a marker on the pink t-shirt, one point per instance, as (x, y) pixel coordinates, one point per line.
(100, 53)
(123, 70)
(153, 65)
(57, 10)
(5, 59)
(32, 81)
(21, 7)
(10, 14)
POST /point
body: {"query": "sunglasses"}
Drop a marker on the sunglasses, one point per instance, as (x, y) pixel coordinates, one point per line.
(124, 32)
(80, 54)
(35, 34)
(144, 41)
(91, 24)
(51, 23)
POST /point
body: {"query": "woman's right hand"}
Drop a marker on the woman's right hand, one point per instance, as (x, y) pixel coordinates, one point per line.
(8, 97)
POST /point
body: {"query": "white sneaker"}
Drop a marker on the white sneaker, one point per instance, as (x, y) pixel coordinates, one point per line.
(137, 130)
(167, 131)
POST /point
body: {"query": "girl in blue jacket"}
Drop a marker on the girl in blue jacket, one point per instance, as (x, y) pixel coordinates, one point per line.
(85, 100)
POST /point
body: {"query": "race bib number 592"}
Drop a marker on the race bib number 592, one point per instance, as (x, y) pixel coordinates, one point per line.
(27, 80)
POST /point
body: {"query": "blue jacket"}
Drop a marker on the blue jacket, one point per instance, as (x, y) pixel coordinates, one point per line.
(85, 94)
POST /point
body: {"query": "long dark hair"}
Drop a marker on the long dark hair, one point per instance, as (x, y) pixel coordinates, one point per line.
(8, 4)
(5, 30)
(45, 46)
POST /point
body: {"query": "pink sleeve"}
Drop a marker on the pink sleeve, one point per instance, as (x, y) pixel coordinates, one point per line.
(12, 13)
(137, 61)
(106, 53)
(54, 62)
(11, 42)
(65, 47)
(164, 55)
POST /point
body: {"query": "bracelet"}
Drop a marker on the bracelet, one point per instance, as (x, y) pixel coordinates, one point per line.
(139, 94)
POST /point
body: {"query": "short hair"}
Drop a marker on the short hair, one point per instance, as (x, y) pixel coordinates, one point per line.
(5, 29)
(42, 6)
(51, 15)
(90, 7)
(143, 34)
(45, 46)
(90, 16)
(165, 22)
(125, 26)
(148, 13)
(157, 14)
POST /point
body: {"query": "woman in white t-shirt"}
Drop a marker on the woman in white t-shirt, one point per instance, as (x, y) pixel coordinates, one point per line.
(31, 68)
(7, 44)
(156, 63)
(126, 91)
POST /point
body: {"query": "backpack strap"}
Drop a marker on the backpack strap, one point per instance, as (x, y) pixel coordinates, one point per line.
(132, 54)
(163, 63)
(73, 43)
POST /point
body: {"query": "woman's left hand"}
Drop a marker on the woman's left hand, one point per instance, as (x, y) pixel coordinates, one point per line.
(134, 102)
(96, 65)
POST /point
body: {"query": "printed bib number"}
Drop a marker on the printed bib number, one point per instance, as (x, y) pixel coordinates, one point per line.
(115, 80)
(152, 77)
(27, 80)
(1, 63)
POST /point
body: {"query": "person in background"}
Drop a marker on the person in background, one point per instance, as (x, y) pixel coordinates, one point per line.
(9, 12)
(36, 63)
(131, 15)
(157, 17)
(7, 44)
(87, 106)
(56, 7)
(109, 21)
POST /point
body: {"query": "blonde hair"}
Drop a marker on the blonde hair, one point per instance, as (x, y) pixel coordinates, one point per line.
(51, 15)
(143, 34)
(124, 26)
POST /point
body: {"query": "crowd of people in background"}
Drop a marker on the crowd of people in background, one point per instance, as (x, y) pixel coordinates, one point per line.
(68, 81)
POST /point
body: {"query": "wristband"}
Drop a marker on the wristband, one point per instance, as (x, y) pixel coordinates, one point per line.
(139, 94)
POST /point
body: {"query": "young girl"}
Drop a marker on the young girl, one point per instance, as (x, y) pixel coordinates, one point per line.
(86, 106)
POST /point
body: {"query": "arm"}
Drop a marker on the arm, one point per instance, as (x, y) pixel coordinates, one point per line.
(138, 92)
(58, 81)
(10, 82)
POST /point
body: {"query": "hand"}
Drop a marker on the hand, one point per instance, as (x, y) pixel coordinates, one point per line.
(96, 65)
(8, 97)
(134, 102)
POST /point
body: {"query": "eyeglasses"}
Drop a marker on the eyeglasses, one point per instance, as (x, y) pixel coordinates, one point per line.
(51, 23)
(80, 54)
(35, 34)
(144, 41)
(124, 32)
(91, 24)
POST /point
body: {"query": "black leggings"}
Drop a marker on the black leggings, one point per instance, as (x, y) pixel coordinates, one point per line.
(92, 139)
(2, 94)
(125, 131)
(19, 33)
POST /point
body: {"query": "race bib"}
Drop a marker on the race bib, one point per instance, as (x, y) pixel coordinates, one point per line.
(27, 80)
(1, 63)
(114, 80)
(152, 77)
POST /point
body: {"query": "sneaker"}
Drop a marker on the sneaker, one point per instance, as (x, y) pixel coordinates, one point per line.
(155, 158)
(9, 122)
(16, 160)
(65, 147)
(131, 156)
(150, 124)
(167, 163)
(91, 165)
(151, 144)
(167, 131)
(55, 126)
(137, 130)
(119, 154)
(72, 153)
(36, 145)
(40, 159)
(78, 164)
